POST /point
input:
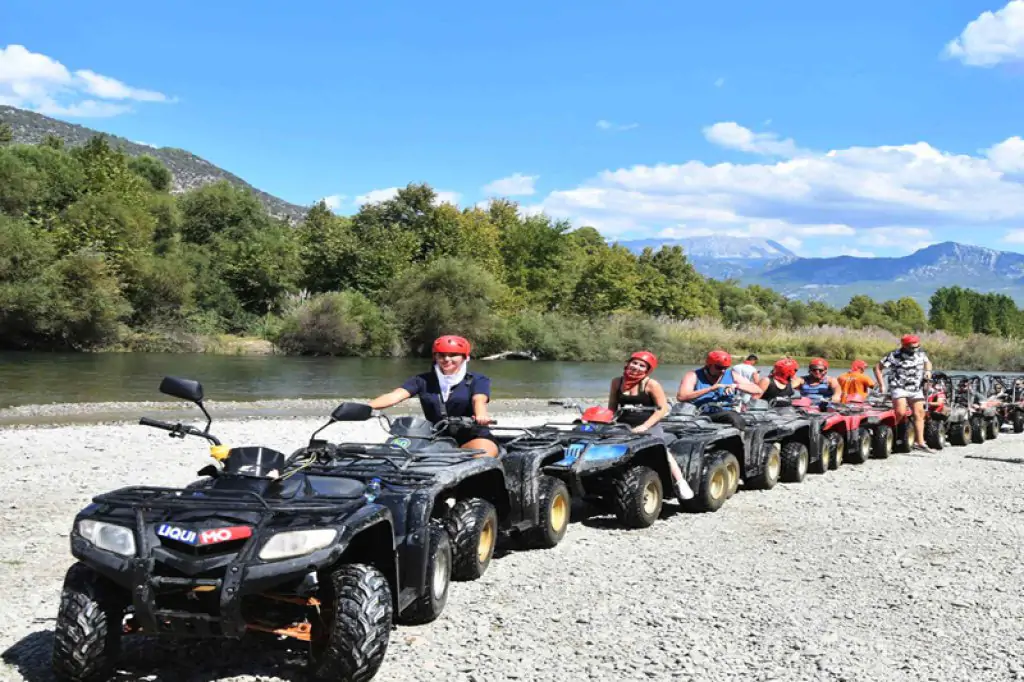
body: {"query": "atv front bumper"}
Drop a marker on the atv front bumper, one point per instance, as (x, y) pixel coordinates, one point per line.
(240, 578)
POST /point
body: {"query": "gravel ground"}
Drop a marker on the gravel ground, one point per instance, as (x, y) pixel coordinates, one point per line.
(904, 569)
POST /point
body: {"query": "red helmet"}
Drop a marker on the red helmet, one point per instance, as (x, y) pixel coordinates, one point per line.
(858, 365)
(819, 361)
(785, 368)
(601, 415)
(910, 340)
(451, 344)
(646, 356)
(720, 358)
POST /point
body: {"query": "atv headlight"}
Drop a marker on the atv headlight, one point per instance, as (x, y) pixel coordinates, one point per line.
(108, 536)
(296, 543)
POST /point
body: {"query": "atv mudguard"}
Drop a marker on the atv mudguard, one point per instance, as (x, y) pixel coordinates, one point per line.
(524, 462)
(594, 454)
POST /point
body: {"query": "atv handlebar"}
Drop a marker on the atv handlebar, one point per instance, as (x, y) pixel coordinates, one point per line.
(178, 430)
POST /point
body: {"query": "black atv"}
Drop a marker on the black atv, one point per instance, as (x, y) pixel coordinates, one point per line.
(983, 419)
(1010, 391)
(262, 543)
(714, 457)
(605, 464)
(765, 424)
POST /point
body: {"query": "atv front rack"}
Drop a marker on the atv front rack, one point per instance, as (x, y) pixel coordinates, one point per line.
(153, 497)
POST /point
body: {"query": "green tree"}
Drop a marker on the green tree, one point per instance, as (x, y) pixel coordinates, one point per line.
(220, 208)
(6, 133)
(448, 296)
(153, 171)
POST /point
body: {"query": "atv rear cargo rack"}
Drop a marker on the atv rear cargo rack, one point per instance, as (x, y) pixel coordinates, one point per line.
(153, 497)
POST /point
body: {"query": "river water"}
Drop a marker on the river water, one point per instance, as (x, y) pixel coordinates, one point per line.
(33, 378)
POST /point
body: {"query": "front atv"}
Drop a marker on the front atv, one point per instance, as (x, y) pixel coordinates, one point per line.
(260, 546)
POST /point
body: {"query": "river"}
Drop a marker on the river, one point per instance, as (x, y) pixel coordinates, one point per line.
(35, 378)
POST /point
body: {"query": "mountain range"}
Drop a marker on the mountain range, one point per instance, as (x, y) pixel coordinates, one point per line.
(836, 280)
(748, 260)
(188, 170)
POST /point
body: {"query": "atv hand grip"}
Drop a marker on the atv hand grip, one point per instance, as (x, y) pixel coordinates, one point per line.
(146, 421)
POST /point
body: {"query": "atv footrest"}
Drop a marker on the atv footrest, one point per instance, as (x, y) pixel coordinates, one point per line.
(160, 581)
(187, 624)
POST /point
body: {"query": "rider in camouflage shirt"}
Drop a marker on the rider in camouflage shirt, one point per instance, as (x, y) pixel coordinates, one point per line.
(905, 371)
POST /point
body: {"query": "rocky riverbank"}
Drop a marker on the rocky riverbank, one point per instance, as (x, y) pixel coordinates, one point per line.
(903, 569)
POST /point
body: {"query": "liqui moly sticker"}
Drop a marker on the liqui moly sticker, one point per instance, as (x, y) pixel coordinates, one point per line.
(203, 537)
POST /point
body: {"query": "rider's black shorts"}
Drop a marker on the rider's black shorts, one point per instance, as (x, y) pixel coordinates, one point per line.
(463, 436)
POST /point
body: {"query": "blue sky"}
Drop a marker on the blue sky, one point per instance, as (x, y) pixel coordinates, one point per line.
(873, 130)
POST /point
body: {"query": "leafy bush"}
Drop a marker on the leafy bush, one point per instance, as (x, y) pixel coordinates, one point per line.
(345, 323)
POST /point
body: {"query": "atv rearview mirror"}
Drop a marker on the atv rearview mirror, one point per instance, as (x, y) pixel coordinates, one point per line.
(352, 412)
(186, 389)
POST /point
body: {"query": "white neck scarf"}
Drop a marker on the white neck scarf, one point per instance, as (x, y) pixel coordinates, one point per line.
(449, 381)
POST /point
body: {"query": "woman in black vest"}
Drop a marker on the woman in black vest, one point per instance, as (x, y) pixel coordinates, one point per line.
(636, 387)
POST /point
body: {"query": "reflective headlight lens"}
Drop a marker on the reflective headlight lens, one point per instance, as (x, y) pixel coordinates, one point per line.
(297, 543)
(108, 536)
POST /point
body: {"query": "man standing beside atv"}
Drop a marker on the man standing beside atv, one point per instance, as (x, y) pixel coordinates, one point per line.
(907, 368)
(450, 390)
(714, 382)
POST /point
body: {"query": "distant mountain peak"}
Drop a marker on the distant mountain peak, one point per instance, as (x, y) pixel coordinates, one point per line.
(188, 170)
(718, 247)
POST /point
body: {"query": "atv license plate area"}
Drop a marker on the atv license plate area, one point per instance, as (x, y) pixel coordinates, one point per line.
(202, 538)
(591, 451)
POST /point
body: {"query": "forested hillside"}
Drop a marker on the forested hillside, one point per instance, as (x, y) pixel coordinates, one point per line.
(96, 253)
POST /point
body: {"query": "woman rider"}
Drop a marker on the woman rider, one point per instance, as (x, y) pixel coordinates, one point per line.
(636, 387)
(782, 381)
(450, 390)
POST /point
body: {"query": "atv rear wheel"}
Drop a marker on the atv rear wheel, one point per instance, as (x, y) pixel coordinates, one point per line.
(977, 429)
(638, 497)
(823, 463)
(960, 433)
(882, 441)
(732, 466)
(473, 527)
(1018, 422)
(714, 483)
(553, 510)
(860, 447)
(350, 638)
(771, 468)
(794, 461)
(87, 634)
(935, 434)
(992, 427)
(838, 450)
(432, 601)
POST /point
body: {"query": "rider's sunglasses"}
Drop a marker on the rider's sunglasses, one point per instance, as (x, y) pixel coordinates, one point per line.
(817, 369)
(720, 368)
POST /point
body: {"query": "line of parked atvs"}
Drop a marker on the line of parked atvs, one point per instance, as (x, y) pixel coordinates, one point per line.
(338, 542)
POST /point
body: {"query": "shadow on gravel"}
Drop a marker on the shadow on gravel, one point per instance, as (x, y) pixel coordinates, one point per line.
(1003, 460)
(159, 660)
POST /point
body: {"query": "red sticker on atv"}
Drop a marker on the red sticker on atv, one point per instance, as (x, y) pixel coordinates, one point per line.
(215, 535)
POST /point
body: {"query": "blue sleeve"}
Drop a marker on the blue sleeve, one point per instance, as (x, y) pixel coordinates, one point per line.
(482, 386)
(415, 385)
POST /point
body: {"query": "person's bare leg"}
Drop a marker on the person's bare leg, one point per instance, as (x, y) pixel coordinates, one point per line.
(483, 444)
(919, 421)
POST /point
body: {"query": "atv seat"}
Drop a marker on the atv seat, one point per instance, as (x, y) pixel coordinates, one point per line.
(254, 460)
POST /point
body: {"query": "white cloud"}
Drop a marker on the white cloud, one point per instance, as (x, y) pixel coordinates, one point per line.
(719, 82)
(334, 201)
(894, 196)
(378, 195)
(608, 125)
(992, 38)
(516, 184)
(445, 197)
(734, 136)
(34, 81)
(1008, 155)
(1014, 237)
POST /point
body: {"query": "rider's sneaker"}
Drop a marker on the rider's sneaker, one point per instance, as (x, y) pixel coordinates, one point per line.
(922, 448)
